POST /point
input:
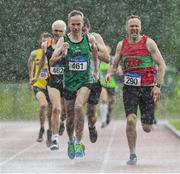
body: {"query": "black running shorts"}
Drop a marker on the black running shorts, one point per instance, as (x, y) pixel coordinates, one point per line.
(134, 96)
(45, 91)
(95, 93)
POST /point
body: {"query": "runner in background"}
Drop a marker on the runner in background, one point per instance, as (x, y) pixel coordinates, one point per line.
(94, 96)
(55, 81)
(40, 86)
(108, 91)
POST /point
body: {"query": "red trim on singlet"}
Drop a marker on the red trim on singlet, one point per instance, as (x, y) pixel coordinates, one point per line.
(138, 49)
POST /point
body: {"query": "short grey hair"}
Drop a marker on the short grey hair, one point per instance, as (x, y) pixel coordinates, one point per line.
(74, 13)
(59, 23)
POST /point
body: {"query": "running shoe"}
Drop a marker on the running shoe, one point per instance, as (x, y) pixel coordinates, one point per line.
(48, 141)
(54, 145)
(71, 149)
(40, 136)
(155, 121)
(103, 125)
(61, 128)
(79, 150)
(93, 134)
(132, 160)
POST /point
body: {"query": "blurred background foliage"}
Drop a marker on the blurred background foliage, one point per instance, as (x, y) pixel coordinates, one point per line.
(22, 22)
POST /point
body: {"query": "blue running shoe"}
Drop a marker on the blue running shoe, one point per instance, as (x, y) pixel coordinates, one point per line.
(71, 149)
(80, 148)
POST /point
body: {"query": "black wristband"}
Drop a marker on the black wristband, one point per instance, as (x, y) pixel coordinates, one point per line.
(158, 85)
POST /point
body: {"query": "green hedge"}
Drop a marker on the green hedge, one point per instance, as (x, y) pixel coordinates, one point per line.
(17, 102)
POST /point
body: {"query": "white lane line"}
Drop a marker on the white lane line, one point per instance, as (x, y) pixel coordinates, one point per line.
(104, 163)
(18, 154)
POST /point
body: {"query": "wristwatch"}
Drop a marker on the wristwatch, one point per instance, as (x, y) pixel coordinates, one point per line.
(158, 85)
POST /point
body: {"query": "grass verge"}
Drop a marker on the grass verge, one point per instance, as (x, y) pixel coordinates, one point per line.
(175, 124)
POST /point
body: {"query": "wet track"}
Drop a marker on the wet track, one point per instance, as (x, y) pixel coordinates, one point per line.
(158, 151)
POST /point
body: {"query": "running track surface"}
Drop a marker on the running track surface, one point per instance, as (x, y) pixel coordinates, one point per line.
(157, 152)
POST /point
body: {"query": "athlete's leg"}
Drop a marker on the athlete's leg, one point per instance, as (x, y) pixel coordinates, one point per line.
(103, 107)
(91, 114)
(93, 100)
(131, 100)
(92, 117)
(41, 98)
(63, 116)
(110, 107)
(131, 132)
(147, 109)
(55, 99)
(69, 107)
(49, 132)
(81, 99)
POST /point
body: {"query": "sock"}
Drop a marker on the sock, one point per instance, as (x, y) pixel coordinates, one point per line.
(55, 137)
(103, 112)
(132, 151)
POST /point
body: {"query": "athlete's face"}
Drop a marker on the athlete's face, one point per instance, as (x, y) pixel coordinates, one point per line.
(44, 39)
(85, 29)
(133, 28)
(58, 31)
(76, 23)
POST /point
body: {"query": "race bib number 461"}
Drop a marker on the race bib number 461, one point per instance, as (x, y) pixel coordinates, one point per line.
(77, 66)
(133, 79)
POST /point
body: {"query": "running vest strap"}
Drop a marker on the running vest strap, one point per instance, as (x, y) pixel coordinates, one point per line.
(78, 71)
(137, 63)
(41, 82)
(56, 69)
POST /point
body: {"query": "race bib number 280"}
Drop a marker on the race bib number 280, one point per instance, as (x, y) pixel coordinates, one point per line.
(133, 79)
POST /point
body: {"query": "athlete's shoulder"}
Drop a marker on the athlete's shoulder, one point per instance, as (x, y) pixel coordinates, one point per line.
(120, 44)
(151, 44)
(34, 53)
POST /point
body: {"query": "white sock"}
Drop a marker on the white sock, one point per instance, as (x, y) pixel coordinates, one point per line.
(55, 137)
(103, 112)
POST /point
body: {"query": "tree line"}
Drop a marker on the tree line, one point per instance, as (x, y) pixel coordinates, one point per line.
(23, 21)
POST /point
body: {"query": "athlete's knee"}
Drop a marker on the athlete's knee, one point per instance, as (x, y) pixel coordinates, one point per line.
(56, 110)
(91, 110)
(43, 106)
(78, 107)
(131, 119)
(63, 116)
(147, 128)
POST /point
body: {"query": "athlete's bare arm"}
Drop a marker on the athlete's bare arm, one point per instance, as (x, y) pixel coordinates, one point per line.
(59, 52)
(31, 63)
(158, 59)
(31, 67)
(115, 63)
(103, 54)
(94, 52)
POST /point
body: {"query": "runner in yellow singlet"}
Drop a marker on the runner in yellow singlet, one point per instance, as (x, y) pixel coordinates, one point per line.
(39, 87)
